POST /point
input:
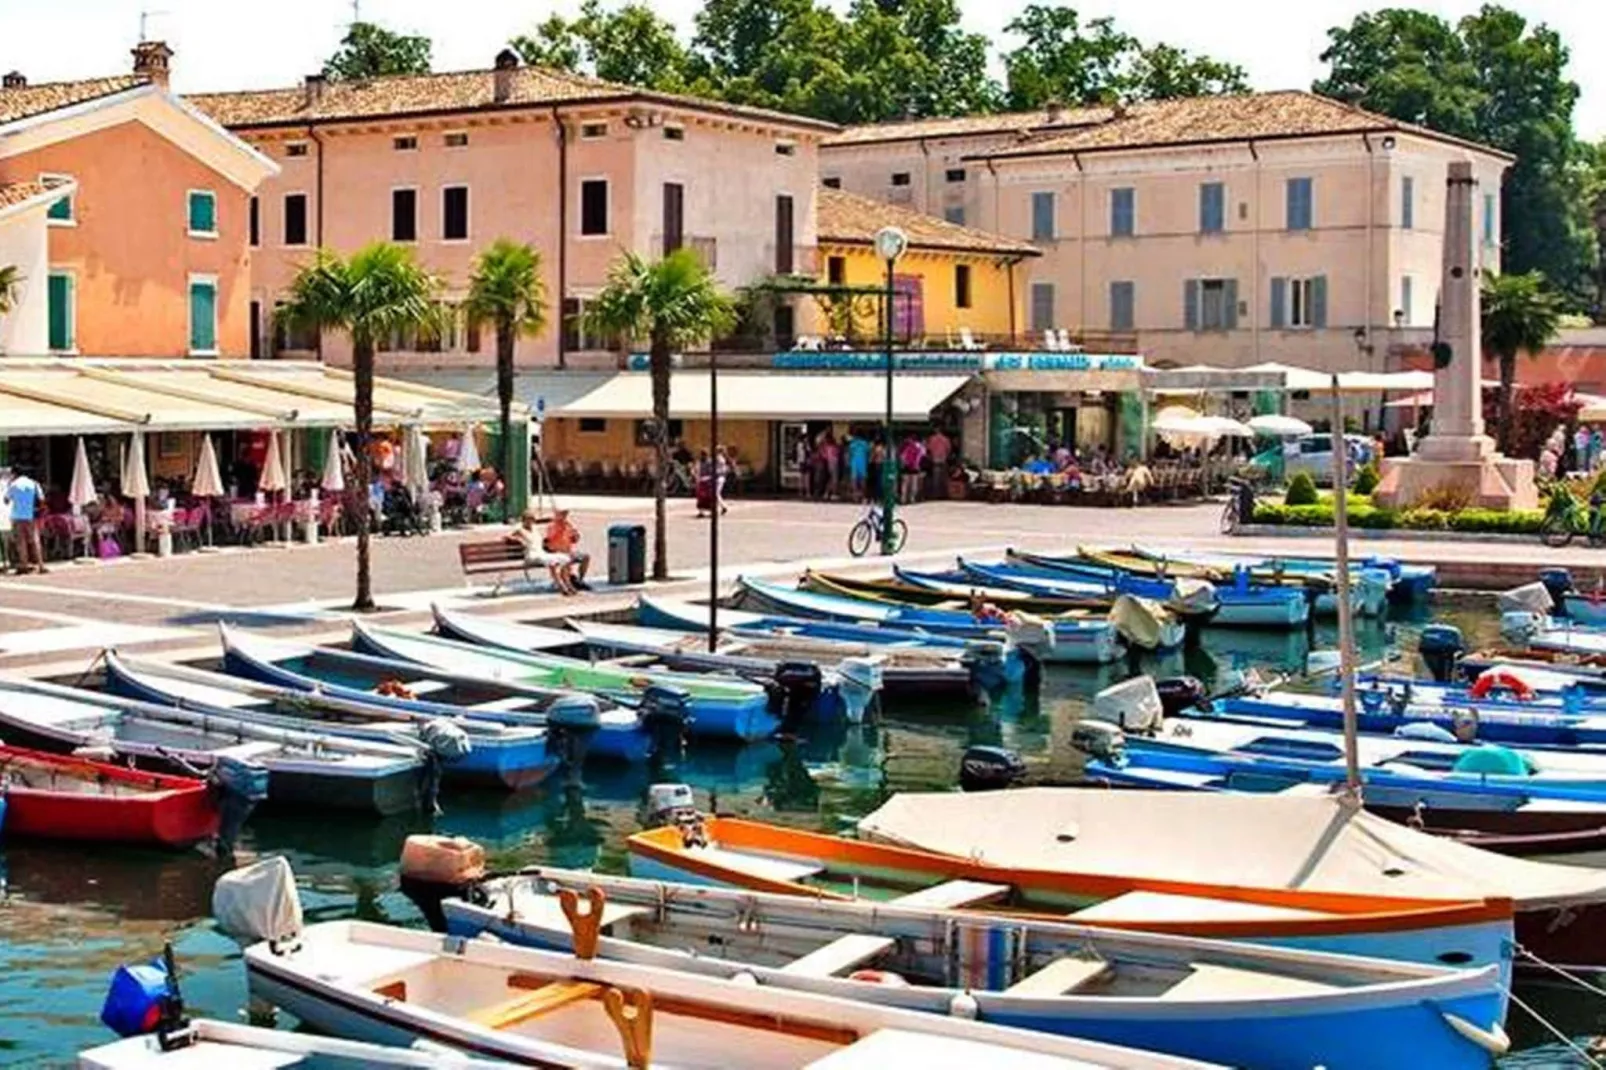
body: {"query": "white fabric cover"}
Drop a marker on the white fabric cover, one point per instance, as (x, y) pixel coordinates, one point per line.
(259, 901)
(1131, 704)
(1530, 597)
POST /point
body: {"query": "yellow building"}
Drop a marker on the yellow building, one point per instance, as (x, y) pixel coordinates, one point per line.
(953, 280)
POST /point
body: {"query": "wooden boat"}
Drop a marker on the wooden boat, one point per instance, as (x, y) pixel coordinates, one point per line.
(376, 983)
(455, 690)
(719, 707)
(770, 858)
(474, 752)
(1194, 601)
(207, 1042)
(843, 687)
(305, 769)
(1233, 1003)
(52, 797)
(1292, 843)
(1373, 581)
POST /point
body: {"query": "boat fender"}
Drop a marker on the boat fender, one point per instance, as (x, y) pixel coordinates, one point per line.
(1492, 1040)
(880, 977)
(963, 1005)
(1502, 679)
(445, 740)
(259, 902)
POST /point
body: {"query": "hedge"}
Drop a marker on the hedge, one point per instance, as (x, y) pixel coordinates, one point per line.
(1367, 516)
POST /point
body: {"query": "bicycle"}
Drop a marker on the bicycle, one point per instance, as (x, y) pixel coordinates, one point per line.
(1240, 508)
(868, 531)
(1569, 519)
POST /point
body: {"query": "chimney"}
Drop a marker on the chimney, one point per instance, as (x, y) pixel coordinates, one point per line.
(507, 65)
(14, 80)
(313, 92)
(151, 60)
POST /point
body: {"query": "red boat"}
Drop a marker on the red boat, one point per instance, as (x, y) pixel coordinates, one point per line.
(56, 797)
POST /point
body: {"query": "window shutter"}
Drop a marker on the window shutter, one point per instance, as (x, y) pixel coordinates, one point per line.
(1190, 304)
(1279, 302)
(1318, 301)
(58, 295)
(1121, 305)
(1229, 299)
(203, 316)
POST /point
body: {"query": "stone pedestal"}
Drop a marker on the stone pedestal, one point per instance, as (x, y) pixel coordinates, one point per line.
(1490, 482)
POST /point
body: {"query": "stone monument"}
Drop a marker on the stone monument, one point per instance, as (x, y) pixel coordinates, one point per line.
(1457, 454)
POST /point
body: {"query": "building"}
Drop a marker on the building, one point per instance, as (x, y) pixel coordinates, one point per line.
(580, 168)
(1226, 231)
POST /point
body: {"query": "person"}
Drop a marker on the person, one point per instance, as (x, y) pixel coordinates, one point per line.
(1594, 449)
(562, 537)
(705, 484)
(23, 496)
(800, 461)
(876, 487)
(1038, 466)
(722, 471)
(830, 460)
(1581, 449)
(527, 537)
(858, 464)
(910, 456)
(938, 449)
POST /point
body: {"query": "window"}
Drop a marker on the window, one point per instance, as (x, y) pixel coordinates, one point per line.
(1405, 311)
(1407, 202)
(455, 140)
(291, 337)
(1042, 306)
(1212, 208)
(594, 206)
(296, 148)
(785, 148)
(645, 432)
(900, 178)
(1299, 204)
(202, 213)
(1123, 295)
(674, 133)
(1488, 219)
(784, 234)
(454, 213)
(61, 299)
(403, 215)
(471, 336)
(295, 219)
(1042, 217)
(203, 314)
(1210, 304)
(1299, 303)
(955, 214)
(404, 143)
(593, 425)
(590, 131)
(831, 182)
(836, 270)
(954, 174)
(674, 216)
(63, 212)
(1123, 209)
(961, 285)
(254, 222)
(576, 336)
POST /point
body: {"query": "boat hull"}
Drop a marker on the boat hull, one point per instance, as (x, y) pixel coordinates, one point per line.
(170, 816)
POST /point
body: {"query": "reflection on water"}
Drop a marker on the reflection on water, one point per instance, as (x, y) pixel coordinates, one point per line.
(70, 915)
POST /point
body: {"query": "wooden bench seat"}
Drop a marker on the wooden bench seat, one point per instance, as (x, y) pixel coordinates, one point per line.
(1059, 977)
(840, 955)
(545, 997)
(499, 557)
(951, 895)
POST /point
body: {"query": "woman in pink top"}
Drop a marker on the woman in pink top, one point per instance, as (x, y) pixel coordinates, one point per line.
(938, 449)
(910, 457)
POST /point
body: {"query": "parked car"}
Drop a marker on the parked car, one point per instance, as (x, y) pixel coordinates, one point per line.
(1313, 454)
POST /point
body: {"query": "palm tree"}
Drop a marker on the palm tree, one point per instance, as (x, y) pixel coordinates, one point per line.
(10, 283)
(377, 293)
(1520, 315)
(507, 292)
(672, 303)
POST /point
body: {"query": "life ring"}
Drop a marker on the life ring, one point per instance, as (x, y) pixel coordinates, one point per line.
(394, 689)
(1502, 680)
(879, 977)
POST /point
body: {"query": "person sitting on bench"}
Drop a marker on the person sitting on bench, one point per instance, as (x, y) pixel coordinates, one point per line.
(562, 537)
(528, 537)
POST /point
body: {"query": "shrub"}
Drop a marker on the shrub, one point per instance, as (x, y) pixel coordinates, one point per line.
(1301, 490)
(1419, 519)
(1515, 522)
(1374, 519)
(1445, 499)
(1366, 479)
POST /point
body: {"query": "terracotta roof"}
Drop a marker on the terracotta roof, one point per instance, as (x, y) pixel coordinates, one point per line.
(38, 99)
(1013, 122)
(15, 193)
(398, 96)
(1237, 117)
(848, 219)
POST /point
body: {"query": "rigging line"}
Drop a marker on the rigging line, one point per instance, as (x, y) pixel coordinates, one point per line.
(1569, 975)
(1557, 1033)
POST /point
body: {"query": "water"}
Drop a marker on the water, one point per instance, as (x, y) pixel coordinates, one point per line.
(71, 914)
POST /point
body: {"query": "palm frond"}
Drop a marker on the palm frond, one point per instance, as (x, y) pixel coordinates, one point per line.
(507, 288)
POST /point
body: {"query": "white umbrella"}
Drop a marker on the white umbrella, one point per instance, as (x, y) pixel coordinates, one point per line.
(136, 484)
(415, 468)
(208, 481)
(1175, 420)
(1279, 426)
(334, 475)
(82, 491)
(273, 479)
(1224, 427)
(468, 453)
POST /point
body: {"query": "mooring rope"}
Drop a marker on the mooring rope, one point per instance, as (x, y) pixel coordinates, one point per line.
(1588, 1059)
(1561, 971)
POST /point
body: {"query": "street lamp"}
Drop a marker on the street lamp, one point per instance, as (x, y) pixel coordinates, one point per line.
(890, 243)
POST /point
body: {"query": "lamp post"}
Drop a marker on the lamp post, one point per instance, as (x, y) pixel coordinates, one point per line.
(890, 243)
(713, 514)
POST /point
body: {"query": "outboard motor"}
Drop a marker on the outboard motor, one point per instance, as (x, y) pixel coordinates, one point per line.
(1520, 626)
(986, 768)
(859, 683)
(437, 868)
(1441, 647)
(1033, 635)
(1101, 740)
(667, 711)
(240, 785)
(1559, 582)
(797, 689)
(259, 902)
(145, 999)
(992, 665)
(572, 721)
(1179, 694)
(1133, 705)
(673, 805)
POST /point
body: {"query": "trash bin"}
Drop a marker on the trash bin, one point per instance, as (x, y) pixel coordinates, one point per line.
(627, 553)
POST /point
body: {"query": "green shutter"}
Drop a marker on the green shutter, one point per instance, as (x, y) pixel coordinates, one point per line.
(59, 298)
(1229, 302)
(203, 316)
(203, 213)
(62, 209)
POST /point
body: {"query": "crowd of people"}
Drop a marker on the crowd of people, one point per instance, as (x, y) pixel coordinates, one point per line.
(852, 468)
(1583, 451)
(1061, 459)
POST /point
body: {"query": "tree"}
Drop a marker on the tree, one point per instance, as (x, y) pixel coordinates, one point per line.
(1168, 73)
(381, 291)
(672, 303)
(1520, 315)
(507, 292)
(631, 45)
(369, 51)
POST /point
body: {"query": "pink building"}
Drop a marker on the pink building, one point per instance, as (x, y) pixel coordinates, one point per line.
(580, 168)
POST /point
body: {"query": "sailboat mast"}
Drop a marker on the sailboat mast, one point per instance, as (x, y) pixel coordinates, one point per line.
(1346, 622)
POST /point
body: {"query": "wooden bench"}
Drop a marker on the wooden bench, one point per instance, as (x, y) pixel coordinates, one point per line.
(1059, 977)
(499, 557)
(541, 996)
(840, 955)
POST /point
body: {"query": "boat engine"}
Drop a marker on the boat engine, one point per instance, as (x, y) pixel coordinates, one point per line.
(259, 902)
(1033, 635)
(1559, 582)
(146, 999)
(240, 785)
(859, 682)
(986, 768)
(797, 689)
(1101, 740)
(1520, 626)
(1133, 705)
(992, 665)
(674, 805)
(436, 868)
(1441, 646)
(1179, 694)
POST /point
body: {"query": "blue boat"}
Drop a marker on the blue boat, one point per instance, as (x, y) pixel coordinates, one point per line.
(1058, 639)
(615, 732)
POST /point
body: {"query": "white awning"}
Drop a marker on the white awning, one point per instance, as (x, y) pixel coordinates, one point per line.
(764, 395)
(1356, 382)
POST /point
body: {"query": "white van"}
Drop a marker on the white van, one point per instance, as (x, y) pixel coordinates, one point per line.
(1314, 454)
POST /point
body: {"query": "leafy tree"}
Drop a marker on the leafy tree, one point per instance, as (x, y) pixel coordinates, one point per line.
(1062, 60)
(1520, 315)
(506, 291)
(556, 42)
(369, 51)
(1164, 72)
(631, 45)
(1537, 410)
(379, 292)
(672, 303)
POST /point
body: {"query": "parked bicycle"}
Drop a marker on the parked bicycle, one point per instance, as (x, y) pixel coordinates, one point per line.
(867, 532)
(1240, 508)
(1570, 519)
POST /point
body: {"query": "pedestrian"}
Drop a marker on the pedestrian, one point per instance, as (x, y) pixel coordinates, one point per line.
(938, 449)
(831, 458)
(1594, 449)
(1581, 449)
(879, 476)
(704, 492)
(800, 461)
(722, 470)
(910, 457)
(858, 455)
(25, 498)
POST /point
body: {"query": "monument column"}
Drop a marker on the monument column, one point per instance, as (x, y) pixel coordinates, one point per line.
(1457, 432)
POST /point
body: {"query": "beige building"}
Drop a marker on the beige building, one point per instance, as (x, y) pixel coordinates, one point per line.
(581, 168)
(1222, 230)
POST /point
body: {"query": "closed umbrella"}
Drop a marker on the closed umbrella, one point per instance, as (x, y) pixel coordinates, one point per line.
(136, 484)
(415, 465)
(1275, 425)
(468, 454)
(334, 474)
(273, 479)
(208, 481)
(82, 491)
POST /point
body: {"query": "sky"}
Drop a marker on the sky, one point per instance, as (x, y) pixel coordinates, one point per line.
(231, 44)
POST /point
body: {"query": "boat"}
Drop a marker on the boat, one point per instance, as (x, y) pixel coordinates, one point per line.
(1373, 579)
(770, 858)
(1056, 639)
(305, 769)
(382, 984)
(1291, 842)
(842, 686)
(1232, 1003)
(55, 797)
(463, 687)
(1193, 601)
(207, 1042)
(717, 707)
(472, 752)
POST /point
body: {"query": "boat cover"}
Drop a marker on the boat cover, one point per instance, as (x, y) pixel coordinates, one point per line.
(1140, 620)
(259, 901)
(1315, 843)
(1529, 598)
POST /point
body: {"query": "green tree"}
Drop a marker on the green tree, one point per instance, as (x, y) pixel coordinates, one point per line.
(630, 44)
(672, 303)
(506, 291)
(379, 292)
(1165, 72)
(1520, 315)
(369, 51)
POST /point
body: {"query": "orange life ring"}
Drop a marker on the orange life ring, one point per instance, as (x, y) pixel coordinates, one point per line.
(879, 977)
(1502, 680)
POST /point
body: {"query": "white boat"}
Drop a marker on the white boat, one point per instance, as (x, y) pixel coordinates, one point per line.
(207, 1044)
(386, 985)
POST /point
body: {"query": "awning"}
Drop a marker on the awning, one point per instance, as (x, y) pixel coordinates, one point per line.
(753, 395)
(544, 391)
(1349, 382)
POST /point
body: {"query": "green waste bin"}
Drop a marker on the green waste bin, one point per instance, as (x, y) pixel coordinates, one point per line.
(627, 554)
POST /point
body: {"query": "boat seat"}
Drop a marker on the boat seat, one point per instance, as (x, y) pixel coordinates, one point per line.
(840, 955)
(510, 704)
(755, 865)
(951, 895)
(1206, 981)
(545, 912)
(550, 996)
(1059, 977)
(249, 750)
(1163, 906)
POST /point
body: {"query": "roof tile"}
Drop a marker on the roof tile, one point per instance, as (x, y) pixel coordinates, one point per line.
(846, 218)
(1014, 122)
(34, 100)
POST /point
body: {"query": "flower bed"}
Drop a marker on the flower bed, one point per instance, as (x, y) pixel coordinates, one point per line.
(1364, 515)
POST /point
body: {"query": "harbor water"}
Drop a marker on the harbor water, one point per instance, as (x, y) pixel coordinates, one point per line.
(70, 915)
